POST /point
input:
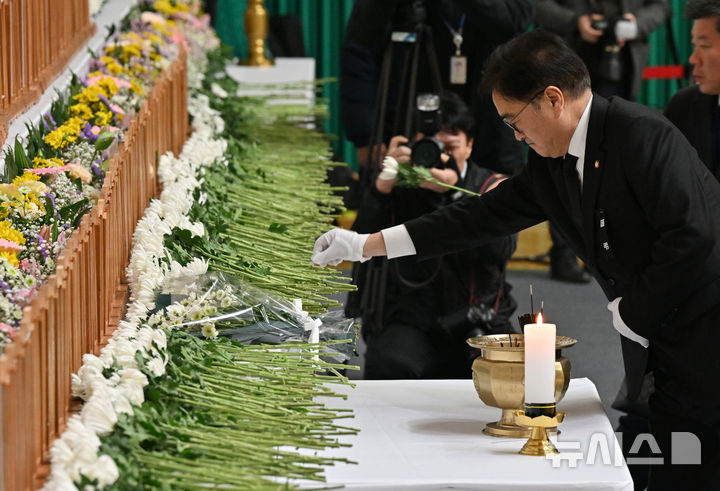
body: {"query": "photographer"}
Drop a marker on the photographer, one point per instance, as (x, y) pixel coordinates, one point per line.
(479, 25)
(429, 308)
(611, 37)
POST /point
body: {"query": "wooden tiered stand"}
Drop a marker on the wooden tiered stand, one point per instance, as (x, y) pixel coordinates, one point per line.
(37, 39)
(76, 310)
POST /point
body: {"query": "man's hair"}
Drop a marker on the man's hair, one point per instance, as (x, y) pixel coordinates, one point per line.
(703, 9)
(455, 116)
(532, 61)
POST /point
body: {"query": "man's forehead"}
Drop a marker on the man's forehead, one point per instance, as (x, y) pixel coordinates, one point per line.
(704, 29)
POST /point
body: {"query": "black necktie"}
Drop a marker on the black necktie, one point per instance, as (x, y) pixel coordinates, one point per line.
(572, 183)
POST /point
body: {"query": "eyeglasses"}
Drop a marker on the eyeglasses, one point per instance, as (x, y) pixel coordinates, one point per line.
(512, 125)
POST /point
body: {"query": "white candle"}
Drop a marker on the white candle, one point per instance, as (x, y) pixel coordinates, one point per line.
(539, 362)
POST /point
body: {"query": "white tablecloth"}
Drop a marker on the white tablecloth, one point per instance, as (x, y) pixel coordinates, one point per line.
(284, 71)
(427, 434)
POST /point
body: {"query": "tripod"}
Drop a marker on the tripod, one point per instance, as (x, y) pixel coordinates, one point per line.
(406, 45)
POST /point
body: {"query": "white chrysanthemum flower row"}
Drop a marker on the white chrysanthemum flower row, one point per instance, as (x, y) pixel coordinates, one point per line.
(75, 453)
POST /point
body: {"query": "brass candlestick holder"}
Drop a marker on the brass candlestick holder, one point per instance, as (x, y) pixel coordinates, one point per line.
(499, 375)
(538, 443)
(256, 29)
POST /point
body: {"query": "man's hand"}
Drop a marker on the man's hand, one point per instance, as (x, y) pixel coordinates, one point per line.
(447, 176)
(626, 29)
(587, 32)
(339, 245)
(621, 327)
(399, 150)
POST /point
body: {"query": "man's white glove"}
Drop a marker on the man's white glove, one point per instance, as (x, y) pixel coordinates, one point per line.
(620, 326)
(339, 245)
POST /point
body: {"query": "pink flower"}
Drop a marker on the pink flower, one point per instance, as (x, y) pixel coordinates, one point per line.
(46, 170)
(180, 39)
(25, 293)
(9, 330)
(120, 82)
(95, 130)
(116, 109)
(9, 245)
(24, 264)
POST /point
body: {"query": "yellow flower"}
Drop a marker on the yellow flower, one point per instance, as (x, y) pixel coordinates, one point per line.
(26, 176)
(11, 257)
(41, 163)
(129, 51)
(112, 65)
(65, 133)
(56, 138)
(89, 94)
(9, 192)
(81, 110)
(37, 187)
(103, 117)
(136, 87)
(166, 7)
(108, 85)
(9, 233)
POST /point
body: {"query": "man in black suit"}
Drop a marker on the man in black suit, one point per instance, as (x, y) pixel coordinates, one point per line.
(634, 202)
(695, 110)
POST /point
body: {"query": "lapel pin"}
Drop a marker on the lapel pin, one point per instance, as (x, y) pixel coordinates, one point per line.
(597, 164)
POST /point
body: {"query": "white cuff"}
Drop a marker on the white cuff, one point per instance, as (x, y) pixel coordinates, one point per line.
(398, 242)
(622, 328)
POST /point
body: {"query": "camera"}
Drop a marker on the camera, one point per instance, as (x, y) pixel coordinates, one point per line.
(600, 24)
(477, 319)
(610, 67)
(426, 151)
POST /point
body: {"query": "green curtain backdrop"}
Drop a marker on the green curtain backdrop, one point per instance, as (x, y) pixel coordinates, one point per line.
(656, 93)
(323, 23)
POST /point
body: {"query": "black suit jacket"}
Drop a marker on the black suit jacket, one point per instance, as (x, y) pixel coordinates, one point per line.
(692, 112)
(649, 232)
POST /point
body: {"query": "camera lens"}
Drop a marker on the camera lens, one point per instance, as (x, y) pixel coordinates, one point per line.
(426, 153)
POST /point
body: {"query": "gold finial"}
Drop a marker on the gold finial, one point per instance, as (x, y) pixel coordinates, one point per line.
(256, 29)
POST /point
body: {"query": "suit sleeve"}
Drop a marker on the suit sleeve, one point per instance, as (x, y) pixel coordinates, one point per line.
(669, 184)
(474, 221)
(551, 15)
(650, 16)
(500, 20)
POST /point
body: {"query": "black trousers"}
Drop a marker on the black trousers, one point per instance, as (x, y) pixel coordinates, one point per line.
(404, 351)
(685, 408)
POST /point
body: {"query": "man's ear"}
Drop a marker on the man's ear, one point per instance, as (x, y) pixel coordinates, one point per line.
(556, 97)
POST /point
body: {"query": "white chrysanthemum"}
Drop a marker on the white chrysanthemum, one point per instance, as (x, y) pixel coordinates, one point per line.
(98, 413)
(209, 331)
(59, 480)
(218, 91)
(104, 470)
(389, 169)
(156, 366)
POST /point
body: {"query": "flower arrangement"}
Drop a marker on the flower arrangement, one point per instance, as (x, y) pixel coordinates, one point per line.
(166, 409)
(55, 178)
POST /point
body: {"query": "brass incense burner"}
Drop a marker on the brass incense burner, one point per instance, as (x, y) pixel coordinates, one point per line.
(499, 375)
